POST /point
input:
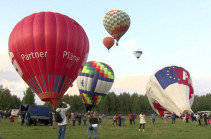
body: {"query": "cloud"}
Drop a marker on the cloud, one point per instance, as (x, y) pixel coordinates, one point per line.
(131, 84)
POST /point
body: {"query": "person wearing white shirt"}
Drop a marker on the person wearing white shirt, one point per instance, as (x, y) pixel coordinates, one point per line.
(62, 125)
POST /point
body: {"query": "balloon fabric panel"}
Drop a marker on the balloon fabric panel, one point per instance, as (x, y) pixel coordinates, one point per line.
(174, 74)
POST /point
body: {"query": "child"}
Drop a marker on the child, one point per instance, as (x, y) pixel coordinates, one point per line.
(11, 119)
(210, 121)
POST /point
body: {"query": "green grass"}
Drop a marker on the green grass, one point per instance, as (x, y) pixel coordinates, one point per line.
(159, 130)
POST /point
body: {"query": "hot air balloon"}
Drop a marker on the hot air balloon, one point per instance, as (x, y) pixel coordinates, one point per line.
(116, 23)
(48, 50)
(108, 42)
(137, 53)
(170, 89)
(94, 82)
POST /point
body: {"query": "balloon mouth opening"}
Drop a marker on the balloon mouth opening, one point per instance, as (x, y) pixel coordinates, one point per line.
(89, 107)
(52, 97)
(186, 110)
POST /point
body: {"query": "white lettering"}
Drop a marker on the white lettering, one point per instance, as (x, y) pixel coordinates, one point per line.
(64, 54)
(41, 54)
(185, 75)
(70, 56)
(33, 55)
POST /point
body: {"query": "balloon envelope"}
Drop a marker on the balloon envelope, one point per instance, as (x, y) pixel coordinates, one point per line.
(48, 50)
(170, 90)
(137, 53)
(94, 82)
(116, 23)
(108, 42)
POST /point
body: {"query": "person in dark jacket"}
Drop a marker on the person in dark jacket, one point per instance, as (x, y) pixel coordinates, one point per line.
(93, 124)
(28, 118)
(173, 117)
(22, 117)
(205, 118)
(79, 119)
(119, 120)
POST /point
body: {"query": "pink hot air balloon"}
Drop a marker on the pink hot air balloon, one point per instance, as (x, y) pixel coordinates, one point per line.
(48, 50)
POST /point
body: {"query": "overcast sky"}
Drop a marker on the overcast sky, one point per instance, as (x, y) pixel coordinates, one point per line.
(168, 32)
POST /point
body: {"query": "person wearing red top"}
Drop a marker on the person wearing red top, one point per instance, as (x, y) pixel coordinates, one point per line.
(11, 119)
(187, 117)
(115, 119)
(131, 118)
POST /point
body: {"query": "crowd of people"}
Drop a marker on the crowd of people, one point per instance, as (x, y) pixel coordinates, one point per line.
(198, 118)
(92, 119)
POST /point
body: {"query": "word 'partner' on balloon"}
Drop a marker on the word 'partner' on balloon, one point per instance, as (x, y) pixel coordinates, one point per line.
(33, 55)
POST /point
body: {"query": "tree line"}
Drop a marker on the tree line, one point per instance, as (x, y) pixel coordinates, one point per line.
(123, 103)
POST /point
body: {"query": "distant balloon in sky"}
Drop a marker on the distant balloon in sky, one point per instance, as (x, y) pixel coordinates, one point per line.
(170, 89)
(94, 82)
(48, 50)
(116, 23)
(137, 53)
(108, 42)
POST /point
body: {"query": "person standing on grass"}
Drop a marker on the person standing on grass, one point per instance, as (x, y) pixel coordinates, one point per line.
(123, 121)
(93, 125)
(134, 118)
(62, 125)
(195, 119)
(28, 118)
(22, 117)
(187, 117)
(119, 120)
(165, 117)
(85, 118)
(198, 119)
(192, 117)
(173, 117)
(73, 118)
(153, 118)
(50, 119)
(142, 121)
(205, 118)
(114, 119)
(79, 119)
(210, 121)
(69, 118)
(131, 118)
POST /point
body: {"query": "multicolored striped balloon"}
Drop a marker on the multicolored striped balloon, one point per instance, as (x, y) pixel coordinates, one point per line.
(116, 22)
(94, 82)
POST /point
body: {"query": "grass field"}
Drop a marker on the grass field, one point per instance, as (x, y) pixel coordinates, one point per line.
(160, 130)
